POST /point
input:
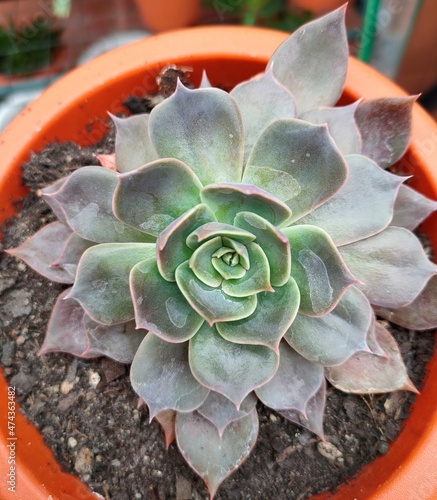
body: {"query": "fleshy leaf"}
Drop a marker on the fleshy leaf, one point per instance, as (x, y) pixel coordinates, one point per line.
(159, 305)
(221, 411)
(145, 198)
(73, 250)
(107, 161)
(214, 229)
(277, 103)
(161, 375)
(286, 160)
(133, 147)
(204, 82)
(66, 330)
(294, 384)
(201, 262)
(273, 315)
(118, 342)
(391, 265)
(341, 126)
(171, 247)
(372, 341)
(318, 268)
(256, 279)
(421, 314)
(56, 207)
(312, 419)
(362, 207)
(229, 272)
(334, 337)
(211, 456)
(385, 127)
(86, 200)
(272, 241)
(366, 373)
(233, 370)
(43, 248)
(203, 129)
(167, 420)
(226, 200)
(411, 208)
(312, 62)
(212, 303)
(102, 282)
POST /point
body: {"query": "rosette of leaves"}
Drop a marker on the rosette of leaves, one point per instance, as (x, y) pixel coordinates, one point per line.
(235, 247)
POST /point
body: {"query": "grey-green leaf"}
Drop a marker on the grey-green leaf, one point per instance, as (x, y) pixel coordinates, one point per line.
(341, 125)
(66, 330)
(214, 229)
(86, 200)
(233, 370)
(362, 207)
(298, 162)
(226, 200)
(220, 411)
(213, 304)
(274, 243)
(294, 384)
(255, 280)
(160, 306)
(201, 262)
(421, 314)
(318, 268)
(171, 247)
(277, 102)
(385, 127)
(133, 147)
(145, 198)
(102, 282)
(273, 315)
(367, 373)
(202, 128)
(43, 248)
(312, 418)
(118, 342)
(214, 457)
(334, 337)
(160, 374)
(411, 208)
(391, 265)
(312, 62)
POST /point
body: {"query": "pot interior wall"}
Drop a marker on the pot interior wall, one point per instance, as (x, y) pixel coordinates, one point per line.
(86, 123)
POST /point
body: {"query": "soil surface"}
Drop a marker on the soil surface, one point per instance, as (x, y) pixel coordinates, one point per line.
(87, 411)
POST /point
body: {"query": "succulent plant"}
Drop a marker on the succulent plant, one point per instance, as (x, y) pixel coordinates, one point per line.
(236, 246)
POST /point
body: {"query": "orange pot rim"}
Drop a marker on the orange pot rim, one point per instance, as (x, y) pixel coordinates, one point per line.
(73, 108)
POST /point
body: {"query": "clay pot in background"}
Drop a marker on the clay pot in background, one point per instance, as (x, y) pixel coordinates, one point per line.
(166, 15)
(317, 7)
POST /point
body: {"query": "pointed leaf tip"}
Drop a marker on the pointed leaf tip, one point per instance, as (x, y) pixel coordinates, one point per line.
(211, 457)
(318, 53)
(365, 373)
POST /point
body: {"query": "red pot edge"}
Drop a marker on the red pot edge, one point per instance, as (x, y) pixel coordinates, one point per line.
(407, 468)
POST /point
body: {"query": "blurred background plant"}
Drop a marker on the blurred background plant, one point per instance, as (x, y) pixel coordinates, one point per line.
(26, 49)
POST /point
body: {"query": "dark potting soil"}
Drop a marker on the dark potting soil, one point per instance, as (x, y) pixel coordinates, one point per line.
(87, 411)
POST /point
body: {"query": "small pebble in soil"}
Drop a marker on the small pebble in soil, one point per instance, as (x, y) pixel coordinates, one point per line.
(330, 452)
(72, 442)
(84, 461)
(94, 379)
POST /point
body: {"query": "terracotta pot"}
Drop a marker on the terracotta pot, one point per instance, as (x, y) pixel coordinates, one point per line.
(75, 108)
(168, 14)
(317, 7)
